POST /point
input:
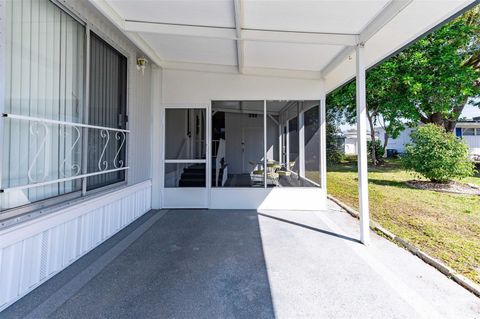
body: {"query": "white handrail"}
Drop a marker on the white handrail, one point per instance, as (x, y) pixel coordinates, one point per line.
(102, 163)
(42, 120)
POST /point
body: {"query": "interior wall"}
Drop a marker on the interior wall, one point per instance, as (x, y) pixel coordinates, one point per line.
(272, 140)
(235, 125)
(175, 132)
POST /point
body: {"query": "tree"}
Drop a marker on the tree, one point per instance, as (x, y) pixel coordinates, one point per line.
(440, 72)
(437, 155)
(385, 102)
(429, 82)
(333, 116)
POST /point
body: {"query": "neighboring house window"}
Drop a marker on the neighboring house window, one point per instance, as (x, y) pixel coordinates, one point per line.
(46, 121)
(468, 131)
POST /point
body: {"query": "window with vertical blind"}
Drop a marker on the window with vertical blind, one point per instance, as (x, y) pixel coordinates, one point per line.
(55, 144)
(107, 108)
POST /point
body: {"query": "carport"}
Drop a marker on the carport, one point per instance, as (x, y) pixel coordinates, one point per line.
(135, 133)
(244, 50)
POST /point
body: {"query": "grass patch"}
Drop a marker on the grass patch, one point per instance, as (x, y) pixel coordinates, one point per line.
(446, 226)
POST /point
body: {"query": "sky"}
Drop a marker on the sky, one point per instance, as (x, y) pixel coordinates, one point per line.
(468, 112)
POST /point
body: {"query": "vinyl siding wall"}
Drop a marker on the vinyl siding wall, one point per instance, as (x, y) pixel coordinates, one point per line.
(34, 250)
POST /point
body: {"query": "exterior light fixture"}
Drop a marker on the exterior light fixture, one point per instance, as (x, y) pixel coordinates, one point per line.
(141, 64)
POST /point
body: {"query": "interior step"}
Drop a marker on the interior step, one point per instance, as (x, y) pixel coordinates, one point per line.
(194, 176)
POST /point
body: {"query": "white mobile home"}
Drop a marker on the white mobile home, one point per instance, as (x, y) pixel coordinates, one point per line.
(112, 108)
(470, 132)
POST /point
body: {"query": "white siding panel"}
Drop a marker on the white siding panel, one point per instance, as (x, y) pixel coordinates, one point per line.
(34, 251)
(474, 143)
(140, 121)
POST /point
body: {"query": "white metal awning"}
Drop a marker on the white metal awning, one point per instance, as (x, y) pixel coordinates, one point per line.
(292, 38)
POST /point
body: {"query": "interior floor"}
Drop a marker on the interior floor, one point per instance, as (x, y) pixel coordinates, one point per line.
(244, 180)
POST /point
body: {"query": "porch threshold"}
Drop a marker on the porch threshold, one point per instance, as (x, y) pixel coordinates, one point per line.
(244, 263)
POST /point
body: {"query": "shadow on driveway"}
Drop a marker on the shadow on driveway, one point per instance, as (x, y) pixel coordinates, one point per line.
(189, 264)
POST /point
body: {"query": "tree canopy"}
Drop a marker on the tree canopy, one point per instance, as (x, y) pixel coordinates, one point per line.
(428, 82)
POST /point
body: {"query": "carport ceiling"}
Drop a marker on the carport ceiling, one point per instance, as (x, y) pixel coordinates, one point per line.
(297, 38)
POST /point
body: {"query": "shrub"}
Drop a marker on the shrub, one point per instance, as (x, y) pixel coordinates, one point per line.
(437, 155)
(379, 150)
(334, 156)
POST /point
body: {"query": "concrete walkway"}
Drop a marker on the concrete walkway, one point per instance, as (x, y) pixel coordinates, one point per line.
(244, 264)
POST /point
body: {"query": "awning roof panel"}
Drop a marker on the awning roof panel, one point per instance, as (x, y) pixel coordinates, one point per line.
(349, 16)
(217, 13)
(308, 39)
(289, 55)
(193, 49)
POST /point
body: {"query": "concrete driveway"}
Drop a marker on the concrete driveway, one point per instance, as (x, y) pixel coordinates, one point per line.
(247, 264)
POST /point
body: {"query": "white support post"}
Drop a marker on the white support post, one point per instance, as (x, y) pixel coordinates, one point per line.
(301, 144)
(157, 165)
(323, 143)
(362, 147)
(265, 143)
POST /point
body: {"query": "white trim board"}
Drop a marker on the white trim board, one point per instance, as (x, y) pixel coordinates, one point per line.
(277, 198)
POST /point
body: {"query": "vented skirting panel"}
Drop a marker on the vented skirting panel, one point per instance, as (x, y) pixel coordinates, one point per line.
(34, 251)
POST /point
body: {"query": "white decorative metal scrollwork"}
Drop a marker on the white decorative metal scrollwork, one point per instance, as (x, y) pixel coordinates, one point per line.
(35, 132)
(47, 165)
(103, 165)
(74, 167)
(115, 159)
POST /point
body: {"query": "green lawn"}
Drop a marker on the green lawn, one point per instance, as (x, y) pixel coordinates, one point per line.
(446, 226)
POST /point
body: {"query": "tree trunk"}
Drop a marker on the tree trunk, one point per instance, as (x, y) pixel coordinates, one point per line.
(447, 123)
(373, 153)
(385, 143)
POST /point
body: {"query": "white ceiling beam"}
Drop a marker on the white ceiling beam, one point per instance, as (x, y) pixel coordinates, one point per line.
(300, 37)
(390, 11)
(200, 67)
(258, 71)
(283, 73)
(238, 8)
(387, 14)
(119, 22)
(180, 29)
(239, 34)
